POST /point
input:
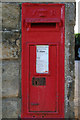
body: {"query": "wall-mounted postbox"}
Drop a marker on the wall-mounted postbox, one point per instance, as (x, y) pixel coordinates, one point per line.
(42, 60)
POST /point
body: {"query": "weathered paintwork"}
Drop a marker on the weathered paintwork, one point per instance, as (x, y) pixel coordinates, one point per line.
(43, 24)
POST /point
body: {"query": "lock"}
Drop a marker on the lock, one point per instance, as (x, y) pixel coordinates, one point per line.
(41, 81)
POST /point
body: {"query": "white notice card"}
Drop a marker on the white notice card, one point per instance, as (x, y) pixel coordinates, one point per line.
(42, 60)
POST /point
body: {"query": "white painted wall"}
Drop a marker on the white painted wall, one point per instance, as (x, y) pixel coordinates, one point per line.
(77, 88)
(77, 26)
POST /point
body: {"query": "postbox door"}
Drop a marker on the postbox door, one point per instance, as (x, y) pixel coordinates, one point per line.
(43, 85)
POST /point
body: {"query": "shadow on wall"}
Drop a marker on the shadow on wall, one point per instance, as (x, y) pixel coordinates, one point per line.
(77, 46)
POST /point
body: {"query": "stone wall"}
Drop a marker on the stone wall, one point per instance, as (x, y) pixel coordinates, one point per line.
(69, 59)
(11, 64)
(11, 40)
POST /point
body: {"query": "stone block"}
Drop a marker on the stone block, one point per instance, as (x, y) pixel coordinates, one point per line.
(0, 108)
(0, 24)
(0, 51)
(70, 11)
(10, 78)
(10, 45)
(0, 80)
(69, 66)
(11, 108)
(10, 16)
(0, 37)
(0, 16)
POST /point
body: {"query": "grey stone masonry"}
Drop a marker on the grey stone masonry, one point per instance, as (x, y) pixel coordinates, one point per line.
(11, 107)
(10, 78)
(10, 45)
(10, 16)
(11, 104)
(69, 59)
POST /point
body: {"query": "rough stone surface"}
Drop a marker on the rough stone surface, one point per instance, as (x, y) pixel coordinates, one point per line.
(0, 78)
(11, 107)
(0, 37)
(10, 78)
(69, 72)
(11, 45)
(10, 16)
(69, 59)
(0, 16)
(70, 9)
(0, 51)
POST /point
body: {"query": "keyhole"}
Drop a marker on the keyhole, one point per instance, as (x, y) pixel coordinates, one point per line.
(35, 82)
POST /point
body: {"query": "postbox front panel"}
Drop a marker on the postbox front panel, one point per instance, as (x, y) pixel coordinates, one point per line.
(42, 60)
(43, 87)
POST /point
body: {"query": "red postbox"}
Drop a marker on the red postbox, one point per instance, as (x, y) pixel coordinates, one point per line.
(43, 60)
